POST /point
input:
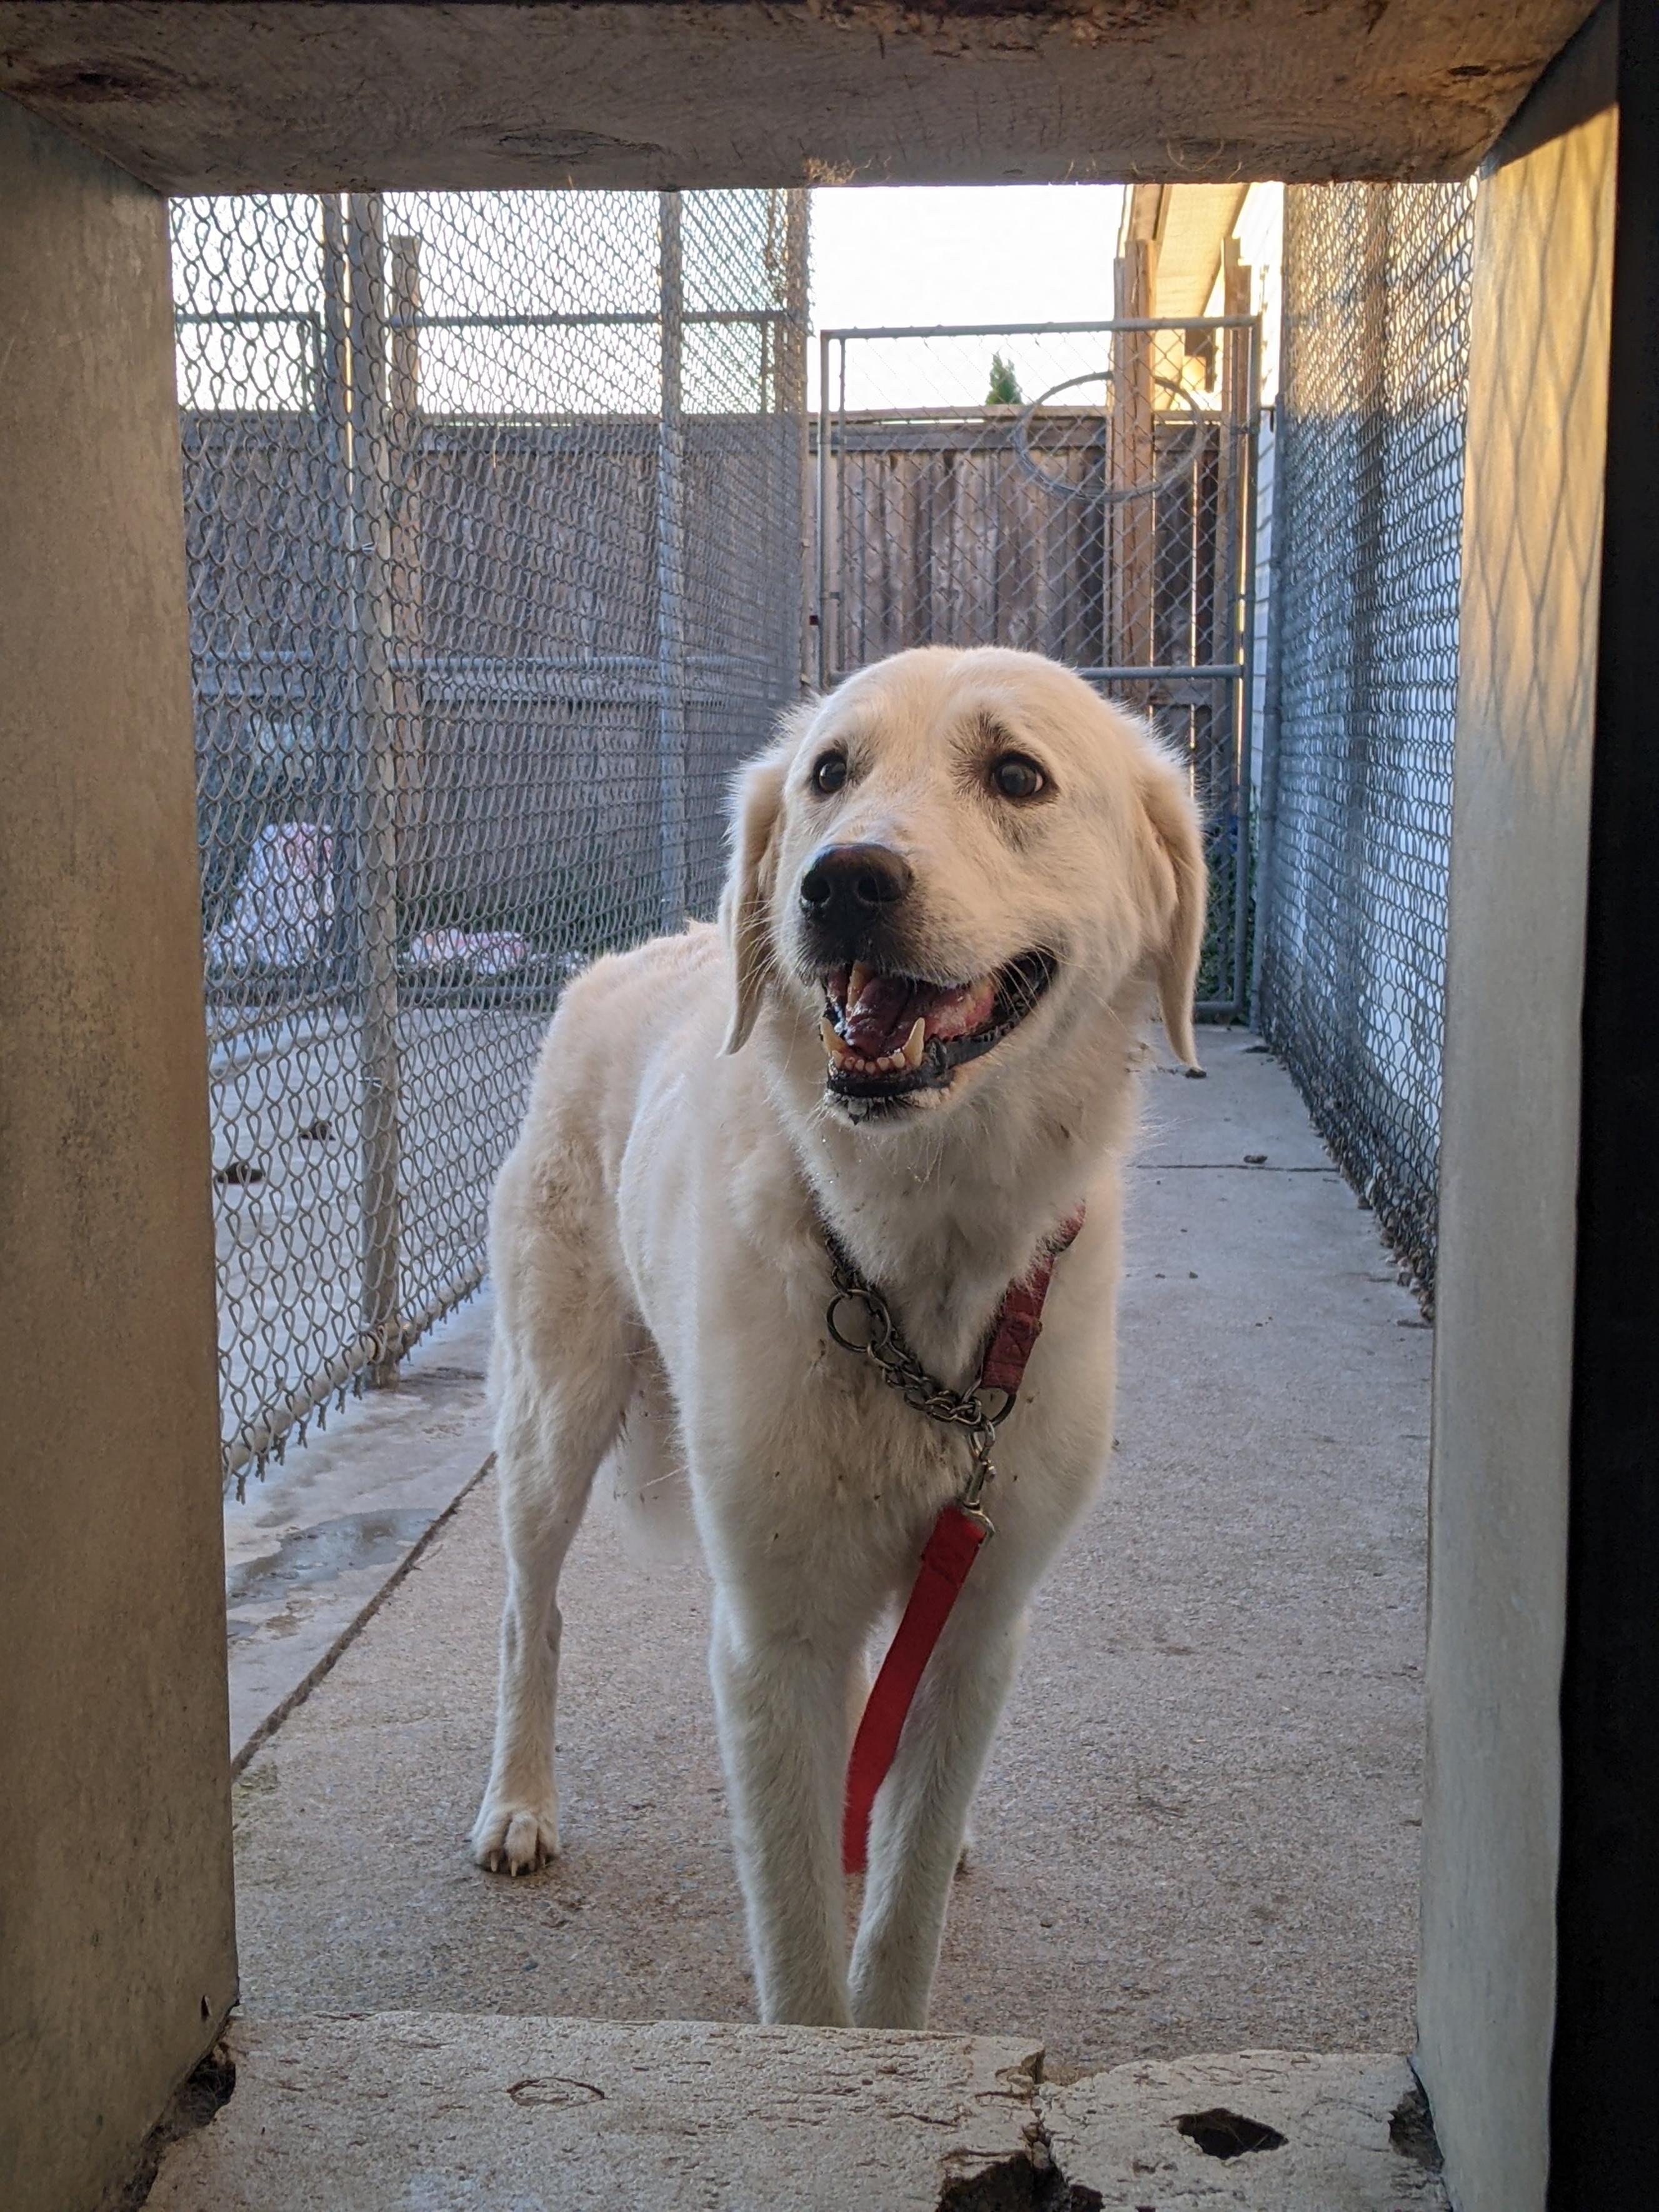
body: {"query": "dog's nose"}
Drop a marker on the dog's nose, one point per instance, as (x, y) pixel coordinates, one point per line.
(846, 887)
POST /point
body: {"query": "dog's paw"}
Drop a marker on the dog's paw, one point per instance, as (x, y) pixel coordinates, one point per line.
(515, 1838)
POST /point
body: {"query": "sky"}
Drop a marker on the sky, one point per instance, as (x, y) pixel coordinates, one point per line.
(965, 254)
(968, 253)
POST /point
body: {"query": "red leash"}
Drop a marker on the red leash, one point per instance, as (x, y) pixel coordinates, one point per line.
(961, 1528)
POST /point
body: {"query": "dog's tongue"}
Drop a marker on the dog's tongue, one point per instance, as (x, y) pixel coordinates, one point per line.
(883, 1010)
(883, 1014)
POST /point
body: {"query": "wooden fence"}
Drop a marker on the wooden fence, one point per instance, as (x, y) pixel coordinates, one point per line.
(988, 527)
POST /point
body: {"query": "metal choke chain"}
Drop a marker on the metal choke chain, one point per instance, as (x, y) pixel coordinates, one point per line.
(902, 1371)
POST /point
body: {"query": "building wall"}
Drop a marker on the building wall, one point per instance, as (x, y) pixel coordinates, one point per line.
(1509, 1145)
(117, 1945)
(1260, 231)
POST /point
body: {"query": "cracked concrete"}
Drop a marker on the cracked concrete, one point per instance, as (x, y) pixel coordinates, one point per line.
(1199, 1828)
(413, 2112)
(1346, 2120)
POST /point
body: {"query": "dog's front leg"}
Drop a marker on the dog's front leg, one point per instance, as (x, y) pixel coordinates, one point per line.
(921, 1810)
(780, 1695)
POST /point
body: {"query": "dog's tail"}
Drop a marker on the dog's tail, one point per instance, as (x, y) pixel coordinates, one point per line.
(645, 1480)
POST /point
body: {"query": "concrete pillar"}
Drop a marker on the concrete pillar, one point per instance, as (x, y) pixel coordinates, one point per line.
(117, 1940)
(1509, 1133)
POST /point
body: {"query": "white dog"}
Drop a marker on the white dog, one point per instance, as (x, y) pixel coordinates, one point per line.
(956, 884)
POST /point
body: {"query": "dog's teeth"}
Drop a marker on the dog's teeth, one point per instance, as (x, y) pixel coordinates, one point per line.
(860, 975)
(841, 1054)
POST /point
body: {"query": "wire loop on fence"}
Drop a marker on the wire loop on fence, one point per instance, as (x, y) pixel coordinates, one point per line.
(1104, 492)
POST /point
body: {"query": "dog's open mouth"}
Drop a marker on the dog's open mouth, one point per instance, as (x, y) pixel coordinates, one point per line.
(884, 1036)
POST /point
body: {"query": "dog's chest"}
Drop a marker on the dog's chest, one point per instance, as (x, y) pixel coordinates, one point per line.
(878, 1451)
(874, 1447)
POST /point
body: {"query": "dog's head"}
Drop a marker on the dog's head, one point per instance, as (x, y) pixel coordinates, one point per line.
(955, 862)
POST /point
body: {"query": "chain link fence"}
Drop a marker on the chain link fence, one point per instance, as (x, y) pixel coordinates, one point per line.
(493, 505)
(1081, 490)
(1356, 813)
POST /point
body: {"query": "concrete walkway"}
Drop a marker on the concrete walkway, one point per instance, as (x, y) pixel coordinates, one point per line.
(312, 1548)
(1198, 1832)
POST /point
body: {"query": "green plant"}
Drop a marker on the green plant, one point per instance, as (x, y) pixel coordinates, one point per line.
(1005, 390)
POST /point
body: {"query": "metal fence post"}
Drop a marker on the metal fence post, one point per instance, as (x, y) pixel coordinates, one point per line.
(791, 403)
(821, 652)
(1266, 813)
(671, 561)
(1133, 462)
(1244, 882)
(1364, 706)
(377, 790)
(335, 678)
(1233, 632)
(407, 579)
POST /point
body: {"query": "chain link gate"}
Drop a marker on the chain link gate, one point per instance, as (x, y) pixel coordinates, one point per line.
(494, 508)
(1106, 521)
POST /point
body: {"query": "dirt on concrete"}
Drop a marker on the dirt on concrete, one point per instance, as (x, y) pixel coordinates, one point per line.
(1199, 1829)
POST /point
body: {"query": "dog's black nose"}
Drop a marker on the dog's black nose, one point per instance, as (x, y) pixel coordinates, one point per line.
(846, 887)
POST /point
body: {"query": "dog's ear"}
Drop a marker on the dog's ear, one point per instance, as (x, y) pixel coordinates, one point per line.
(749, 885)
(1179, 847)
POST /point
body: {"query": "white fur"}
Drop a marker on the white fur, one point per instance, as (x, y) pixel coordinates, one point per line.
(662, 1279)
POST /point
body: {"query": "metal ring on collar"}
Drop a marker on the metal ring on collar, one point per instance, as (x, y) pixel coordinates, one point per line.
(881, 1322)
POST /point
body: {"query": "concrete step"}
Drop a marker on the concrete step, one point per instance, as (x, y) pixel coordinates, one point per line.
(436, 2112)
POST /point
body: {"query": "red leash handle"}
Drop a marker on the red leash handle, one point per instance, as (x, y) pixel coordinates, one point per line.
(951, 1550)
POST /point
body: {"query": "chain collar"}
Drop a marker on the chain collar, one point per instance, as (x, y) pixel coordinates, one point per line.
(885, 1348)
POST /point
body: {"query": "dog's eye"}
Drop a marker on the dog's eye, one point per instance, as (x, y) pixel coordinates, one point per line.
(830, 772)
(1016, 777)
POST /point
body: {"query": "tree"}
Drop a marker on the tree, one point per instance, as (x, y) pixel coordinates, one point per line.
(1005, 390)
